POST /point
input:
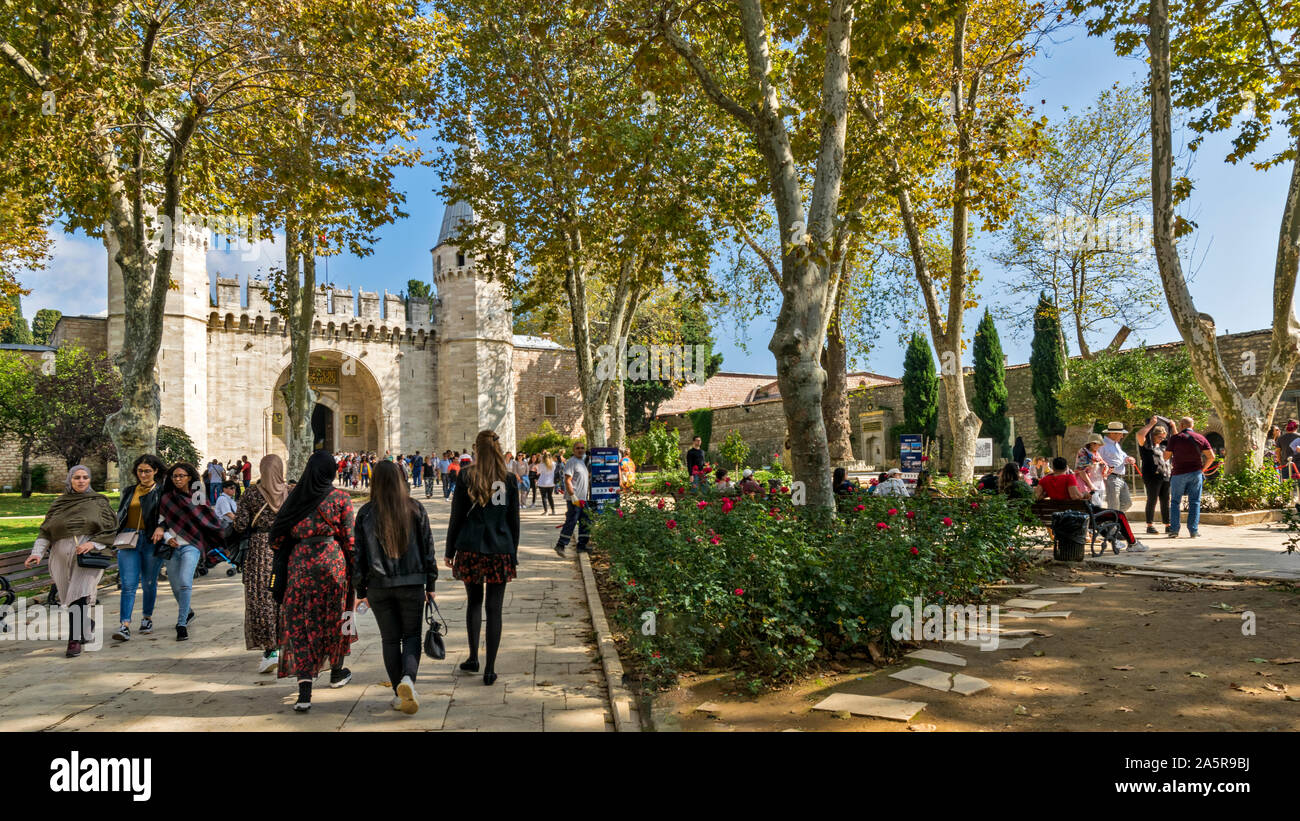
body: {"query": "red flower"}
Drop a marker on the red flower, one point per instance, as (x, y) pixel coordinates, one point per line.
(859, 508)
(715, 540)
(656, 654)
(974, 505)
(938, 592)
(671, 523)
(680, 491)
(701, 504)
(925, 458)
(668, 482)
(947, 521)
(882, 525)
(631, 582)
(893, 511)
(785, 489)
(661, 504)
(911, 514)
(727, 505)
(740, 591)
(620, 514)
(915, 552)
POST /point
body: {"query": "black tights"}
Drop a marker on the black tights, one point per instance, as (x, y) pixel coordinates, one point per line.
(496, 595)
(79, 620)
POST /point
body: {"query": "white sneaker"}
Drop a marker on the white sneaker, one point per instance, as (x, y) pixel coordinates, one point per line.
(410, 703)
(269, 663)
(396, 703)
(1137, 547)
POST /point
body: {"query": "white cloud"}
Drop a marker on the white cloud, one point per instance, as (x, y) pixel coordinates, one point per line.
(75, 281)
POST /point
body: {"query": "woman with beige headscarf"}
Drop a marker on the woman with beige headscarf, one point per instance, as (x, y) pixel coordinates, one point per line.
(80, 522)
(256, 512)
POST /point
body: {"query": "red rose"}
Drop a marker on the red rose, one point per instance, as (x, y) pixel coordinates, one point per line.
(671, 523)
(893, 511)
(882, 525)
(620, 514)
(727, 505)
(859, 508)
(911, 514)
(915, 552)
(785, 489)
(740, 591)
(701, 504)
(974, 505)
(631, 582)
(661, 504)
(715, 540)
(947, 521)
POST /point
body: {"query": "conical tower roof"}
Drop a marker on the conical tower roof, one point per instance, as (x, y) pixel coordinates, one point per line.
(456, 215)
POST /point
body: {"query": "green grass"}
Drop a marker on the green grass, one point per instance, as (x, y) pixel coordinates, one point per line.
(13, 504)
(18, 534)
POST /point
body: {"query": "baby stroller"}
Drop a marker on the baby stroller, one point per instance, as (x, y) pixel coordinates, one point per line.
(214, 557)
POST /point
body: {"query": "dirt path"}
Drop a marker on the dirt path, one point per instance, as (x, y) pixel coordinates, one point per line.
(1066, 680)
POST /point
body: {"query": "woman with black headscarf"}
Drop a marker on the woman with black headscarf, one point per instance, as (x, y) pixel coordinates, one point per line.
(313, 538)
(81, 522)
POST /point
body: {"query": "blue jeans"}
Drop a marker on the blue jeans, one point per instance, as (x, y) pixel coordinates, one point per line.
(136, 566)
(214, 490)
(1189, 484)
(448, 486)
(180, 574)
(574, 516)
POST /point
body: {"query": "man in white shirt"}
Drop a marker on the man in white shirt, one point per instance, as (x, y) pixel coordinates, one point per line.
(1118, 496)
(225, 505)
(577, 492)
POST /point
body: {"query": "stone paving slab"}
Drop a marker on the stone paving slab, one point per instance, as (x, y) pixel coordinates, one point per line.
(925, 677)
(968, 685)
(873, 706)
(937, 656)
(1003, 644)
(210, 683)
(1247, 552)
(1027, 604)
(1058, 591)
(1027, 614)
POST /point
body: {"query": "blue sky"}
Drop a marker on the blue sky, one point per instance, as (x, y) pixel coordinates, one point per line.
(1238, 210)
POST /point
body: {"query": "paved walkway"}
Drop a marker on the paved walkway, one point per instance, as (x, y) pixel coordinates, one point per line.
(549, 670)
(1246, 552)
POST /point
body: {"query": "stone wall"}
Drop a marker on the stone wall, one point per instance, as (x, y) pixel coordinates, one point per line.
(763, 424)
(540, 372)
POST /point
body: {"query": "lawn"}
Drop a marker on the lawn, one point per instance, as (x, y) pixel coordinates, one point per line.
(18, 534)
(13, 504)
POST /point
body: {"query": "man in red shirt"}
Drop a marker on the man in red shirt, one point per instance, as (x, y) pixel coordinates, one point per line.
(246, 472)
(1062, 485)
(1189, 454)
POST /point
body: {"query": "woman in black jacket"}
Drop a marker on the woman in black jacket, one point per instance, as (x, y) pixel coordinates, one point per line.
(394, 574)
(483, 543)
(138, 563)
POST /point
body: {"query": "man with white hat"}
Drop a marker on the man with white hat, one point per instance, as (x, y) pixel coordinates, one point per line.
(893, 485)
(748, 484)
(1118, 496)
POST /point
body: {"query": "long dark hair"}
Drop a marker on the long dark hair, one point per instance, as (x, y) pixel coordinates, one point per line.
(1008, 477)
(189, 485)
(152, 461)
(489, 467)
(393, 508)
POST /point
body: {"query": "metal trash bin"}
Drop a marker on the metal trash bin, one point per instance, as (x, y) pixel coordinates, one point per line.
(1070, 527)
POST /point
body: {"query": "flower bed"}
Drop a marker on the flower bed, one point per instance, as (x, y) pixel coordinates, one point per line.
(762, 585)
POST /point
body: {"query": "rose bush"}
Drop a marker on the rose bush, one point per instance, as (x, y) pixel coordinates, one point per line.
(763, 585)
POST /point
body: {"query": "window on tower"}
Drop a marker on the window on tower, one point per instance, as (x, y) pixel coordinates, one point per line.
(460, 260)
(550, 406)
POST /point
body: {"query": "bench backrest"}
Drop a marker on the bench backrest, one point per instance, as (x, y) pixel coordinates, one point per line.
(1044, 508)
(22, 579)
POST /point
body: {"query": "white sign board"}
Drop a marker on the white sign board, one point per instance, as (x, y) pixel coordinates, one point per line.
(983, 453)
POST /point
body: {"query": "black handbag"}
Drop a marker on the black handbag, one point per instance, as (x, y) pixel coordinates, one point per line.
(95, 559)
(434, 647)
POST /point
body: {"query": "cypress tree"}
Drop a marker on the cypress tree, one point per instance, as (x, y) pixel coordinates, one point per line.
(920, 388)
(1047, 370)
(990, 401)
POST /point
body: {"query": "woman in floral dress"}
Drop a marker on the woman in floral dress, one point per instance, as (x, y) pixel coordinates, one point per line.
(255, 515)
(313, 540)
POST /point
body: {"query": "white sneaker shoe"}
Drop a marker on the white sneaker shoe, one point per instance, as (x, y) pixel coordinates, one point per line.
(1137, 547)
(268, 664)
(396, 703)
(410, 703)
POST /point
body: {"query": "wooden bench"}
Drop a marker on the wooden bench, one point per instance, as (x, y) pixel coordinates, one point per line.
(1108, 532)
(19, 579)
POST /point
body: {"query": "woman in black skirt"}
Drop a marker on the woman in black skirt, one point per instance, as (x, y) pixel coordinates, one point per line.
(483, 543)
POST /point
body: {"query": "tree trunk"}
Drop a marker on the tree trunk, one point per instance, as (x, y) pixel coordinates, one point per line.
(1084, 352)
(835, 398)
(1245, 417)
(26, 483)
(299, 399)
(617, 415)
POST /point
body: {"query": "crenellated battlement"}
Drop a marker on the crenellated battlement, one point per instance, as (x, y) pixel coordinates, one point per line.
(336, 314)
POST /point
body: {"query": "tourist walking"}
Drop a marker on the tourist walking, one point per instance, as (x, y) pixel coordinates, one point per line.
(365, 473)
(1118, 496)
(255, 516)
(483, 545)
(216, 475)
(138, 559)
(546, 481)
(1189, 455)
(695, 463)
(313, 540)
(430, 473)
(577, 492)
(76, 531)
(1155, 470)
(417, 469)
(394, 573)
(187, 529)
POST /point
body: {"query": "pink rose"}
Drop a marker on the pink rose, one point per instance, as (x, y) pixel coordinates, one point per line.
(701, 504)
(740, 591)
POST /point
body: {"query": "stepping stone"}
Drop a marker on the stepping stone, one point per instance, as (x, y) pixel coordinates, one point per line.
(966, 685)
(1012, 586)
(893, 709)
(707, 707)
(938, 657)
(1003, 644)
(1151, 573)
(1047, 614)
(1027, 604)
(926, 677)
(1058, 591)
(1200, 582)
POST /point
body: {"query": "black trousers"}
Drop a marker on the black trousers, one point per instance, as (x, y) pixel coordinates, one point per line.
(548, 498)
(400, 613)
(1157, 489)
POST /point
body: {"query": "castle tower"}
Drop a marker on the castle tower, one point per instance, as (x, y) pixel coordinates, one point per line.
(182, 372)
(476, 344)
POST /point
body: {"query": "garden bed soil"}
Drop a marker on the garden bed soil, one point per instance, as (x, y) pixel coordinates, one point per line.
(1164, 631)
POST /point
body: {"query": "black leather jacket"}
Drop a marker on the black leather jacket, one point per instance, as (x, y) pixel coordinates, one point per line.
(148, 508)
(489, 530)
(373, 568)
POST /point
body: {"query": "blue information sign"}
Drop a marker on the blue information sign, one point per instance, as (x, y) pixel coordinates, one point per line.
(604, 477)
(909, 449)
